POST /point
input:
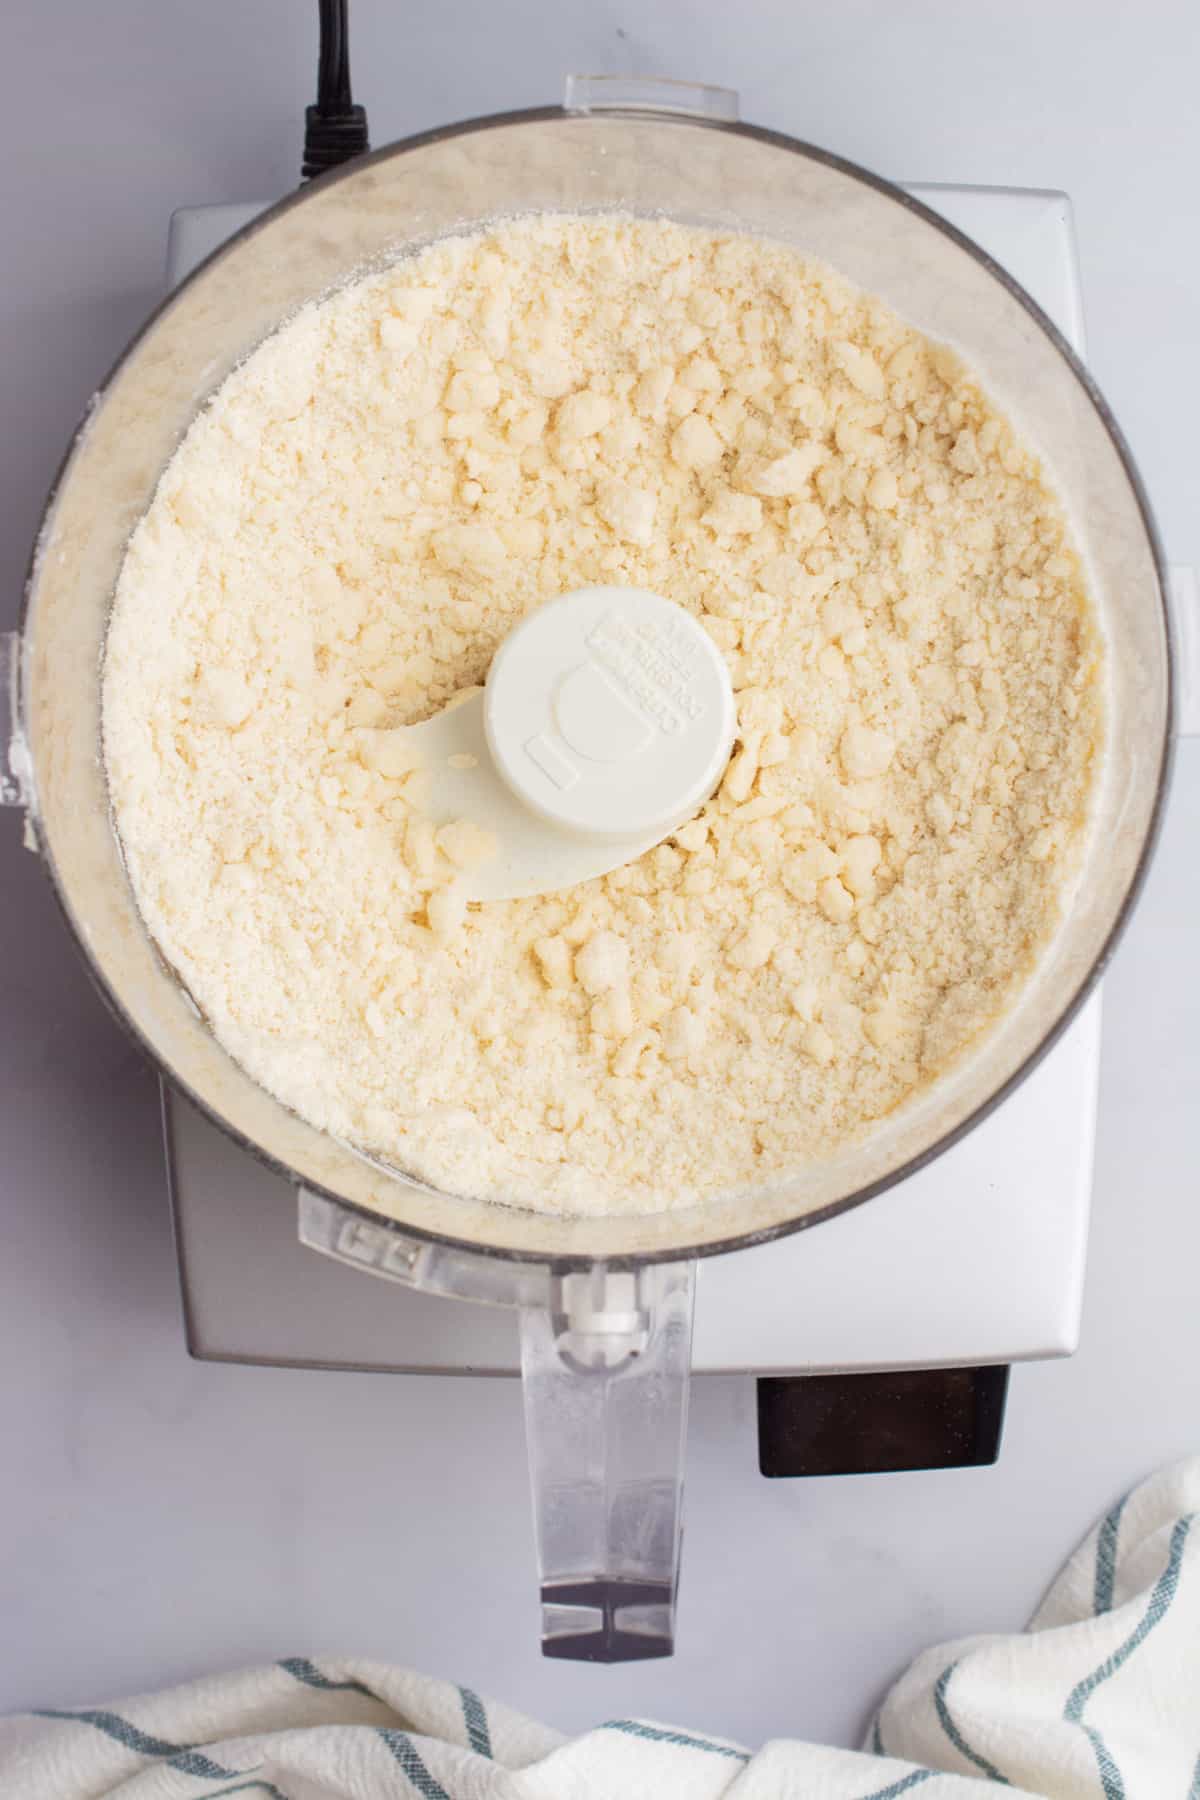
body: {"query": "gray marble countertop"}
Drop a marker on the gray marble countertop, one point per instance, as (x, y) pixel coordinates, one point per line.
(161, 1518)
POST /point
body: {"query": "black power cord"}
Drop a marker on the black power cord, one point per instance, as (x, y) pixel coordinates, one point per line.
(334, 129)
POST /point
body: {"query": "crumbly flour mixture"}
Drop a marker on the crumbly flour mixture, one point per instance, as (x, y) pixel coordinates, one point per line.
(344, 537)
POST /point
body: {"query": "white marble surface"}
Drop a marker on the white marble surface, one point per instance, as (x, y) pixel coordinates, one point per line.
(159, 1517)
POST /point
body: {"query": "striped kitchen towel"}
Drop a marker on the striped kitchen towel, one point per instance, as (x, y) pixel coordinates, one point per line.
(1098, 1700)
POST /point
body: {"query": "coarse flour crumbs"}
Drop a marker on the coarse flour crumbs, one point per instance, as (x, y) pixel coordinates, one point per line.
(344, 537)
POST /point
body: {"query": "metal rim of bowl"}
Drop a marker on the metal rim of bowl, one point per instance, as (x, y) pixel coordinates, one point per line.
(1075, 367)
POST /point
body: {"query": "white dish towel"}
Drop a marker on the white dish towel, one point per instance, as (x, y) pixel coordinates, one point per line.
(1098, 1700)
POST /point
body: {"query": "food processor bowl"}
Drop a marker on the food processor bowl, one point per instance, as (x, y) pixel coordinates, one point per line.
(606, 1300)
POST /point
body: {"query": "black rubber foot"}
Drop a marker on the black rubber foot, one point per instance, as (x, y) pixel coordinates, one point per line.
(876, 1424)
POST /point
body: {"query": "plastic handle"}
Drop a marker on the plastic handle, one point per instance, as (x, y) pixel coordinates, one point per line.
(378, 1247)
(605, 1371)
(16, 787)
(637, 94)
(605, 1361)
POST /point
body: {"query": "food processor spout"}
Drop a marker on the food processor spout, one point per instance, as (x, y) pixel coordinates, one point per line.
(605, 1362)
(605, 1374)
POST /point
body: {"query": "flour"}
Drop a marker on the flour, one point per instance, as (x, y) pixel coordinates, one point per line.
(341, 543)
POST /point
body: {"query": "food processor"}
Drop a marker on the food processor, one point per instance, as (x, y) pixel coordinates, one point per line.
(605, 1303)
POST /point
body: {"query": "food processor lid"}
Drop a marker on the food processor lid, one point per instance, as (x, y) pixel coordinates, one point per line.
(721, 176)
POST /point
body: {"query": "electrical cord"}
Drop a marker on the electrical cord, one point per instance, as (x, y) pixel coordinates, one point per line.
(335, 130)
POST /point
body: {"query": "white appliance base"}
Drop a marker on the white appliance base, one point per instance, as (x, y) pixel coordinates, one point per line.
(977, 1259)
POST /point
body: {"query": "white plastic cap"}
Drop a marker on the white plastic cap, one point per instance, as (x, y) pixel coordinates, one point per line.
(610, 713)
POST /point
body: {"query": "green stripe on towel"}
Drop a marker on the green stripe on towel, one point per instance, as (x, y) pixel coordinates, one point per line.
(1157, 1608)
(122, 1732)
(300, 1669)
(185, 1757)
(955, 1735)
(1106, 1560)
(657, 1735)
(1160, 1599)
(1111, 1778)
(475, 1719)
(246, 1787)
(405, 1753)
(902, 1786)
(194, 1762)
